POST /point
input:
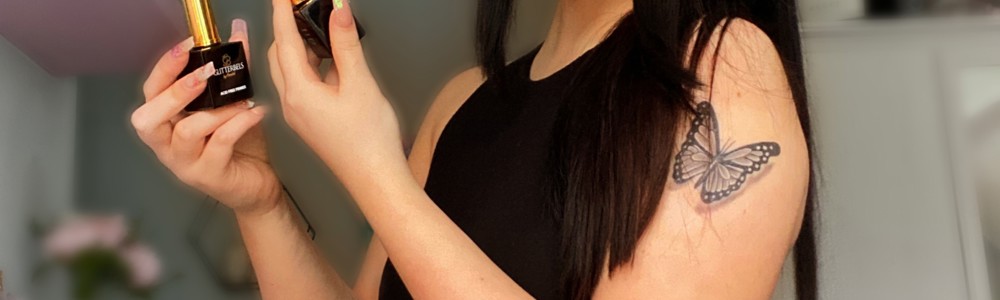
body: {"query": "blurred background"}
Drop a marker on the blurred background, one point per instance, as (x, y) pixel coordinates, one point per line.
(904, 95)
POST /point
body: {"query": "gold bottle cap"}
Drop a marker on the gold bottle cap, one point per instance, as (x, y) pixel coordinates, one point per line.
(201, 22)
(297, 2)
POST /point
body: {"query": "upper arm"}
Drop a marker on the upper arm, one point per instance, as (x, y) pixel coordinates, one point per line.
(451, 97)
(733, 248)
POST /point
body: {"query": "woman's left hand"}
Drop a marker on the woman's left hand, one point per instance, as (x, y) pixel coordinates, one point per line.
(343, 115)
(345, 119)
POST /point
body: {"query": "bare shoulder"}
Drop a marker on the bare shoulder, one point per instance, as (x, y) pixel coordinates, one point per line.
(740, 58)
(448, 101)
(451, 98)
(733, 205)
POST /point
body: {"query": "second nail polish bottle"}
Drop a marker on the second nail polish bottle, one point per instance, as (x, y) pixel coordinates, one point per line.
(231, 81)
(313, 20)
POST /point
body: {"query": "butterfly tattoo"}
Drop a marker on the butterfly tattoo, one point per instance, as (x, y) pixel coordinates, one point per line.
(719, 172)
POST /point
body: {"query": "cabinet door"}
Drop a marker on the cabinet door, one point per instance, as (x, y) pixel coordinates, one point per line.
(888, 220)
(971, 77)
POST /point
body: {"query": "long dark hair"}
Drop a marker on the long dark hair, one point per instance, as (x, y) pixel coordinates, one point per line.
(614, 143)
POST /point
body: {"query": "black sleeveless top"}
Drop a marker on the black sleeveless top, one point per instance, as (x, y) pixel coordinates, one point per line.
(489, 174)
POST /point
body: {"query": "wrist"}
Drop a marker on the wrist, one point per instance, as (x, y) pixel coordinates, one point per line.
(381, 184)
(272, 205)
(376, 172)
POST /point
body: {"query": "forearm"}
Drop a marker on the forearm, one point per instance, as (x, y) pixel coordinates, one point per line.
(433, 256)
(287, 263)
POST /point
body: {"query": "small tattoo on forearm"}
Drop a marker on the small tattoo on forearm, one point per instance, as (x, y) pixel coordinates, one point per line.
(719, 172)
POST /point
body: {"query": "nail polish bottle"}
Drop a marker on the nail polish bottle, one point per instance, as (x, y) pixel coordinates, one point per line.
(313, 20)
(231, 81)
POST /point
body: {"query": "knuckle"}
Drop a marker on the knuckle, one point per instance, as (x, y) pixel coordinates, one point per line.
(136, 118)
(184, 131)
(147, 89)
(139, 122)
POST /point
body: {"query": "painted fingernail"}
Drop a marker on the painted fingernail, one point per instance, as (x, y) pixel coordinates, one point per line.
(201, 75)
(341, 14)
(250, 104)
(207, 71)
(182, 48)
(239, 26)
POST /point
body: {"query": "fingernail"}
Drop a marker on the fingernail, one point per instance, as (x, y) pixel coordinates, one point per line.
(250, 104)
(342, 14)
(239, 26)
(260, 110)
(201, 75)
(183, 47)
(207, 71)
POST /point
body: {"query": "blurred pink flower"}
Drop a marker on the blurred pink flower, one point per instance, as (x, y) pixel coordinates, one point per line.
(78, 234)
(111, 231)
(143, 264)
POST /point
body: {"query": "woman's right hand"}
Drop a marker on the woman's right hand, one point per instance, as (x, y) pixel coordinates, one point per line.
(220, 152)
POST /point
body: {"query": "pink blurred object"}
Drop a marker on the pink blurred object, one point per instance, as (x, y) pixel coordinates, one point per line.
(81, 233)
(143, 264)
(70, 38)
(96, 250)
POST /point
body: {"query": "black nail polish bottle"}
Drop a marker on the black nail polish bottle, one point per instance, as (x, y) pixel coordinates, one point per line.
(231, 82)
(313, 19)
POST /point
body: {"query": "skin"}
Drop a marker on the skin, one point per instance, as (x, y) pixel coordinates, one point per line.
(730, 250)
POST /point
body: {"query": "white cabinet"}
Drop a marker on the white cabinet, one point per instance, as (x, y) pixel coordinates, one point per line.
(884, 97)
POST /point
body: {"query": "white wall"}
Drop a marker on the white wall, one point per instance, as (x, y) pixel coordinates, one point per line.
(37, 119)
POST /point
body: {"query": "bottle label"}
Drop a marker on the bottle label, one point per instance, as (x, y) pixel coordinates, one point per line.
(228, 68)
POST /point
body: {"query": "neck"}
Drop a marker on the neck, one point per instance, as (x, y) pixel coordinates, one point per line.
(578, 26)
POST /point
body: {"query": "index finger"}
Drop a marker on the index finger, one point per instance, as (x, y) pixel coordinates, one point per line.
(292, 56)
(167, 68)
(168, 104)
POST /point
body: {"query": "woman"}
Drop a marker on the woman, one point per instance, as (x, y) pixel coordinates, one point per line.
(648, 149)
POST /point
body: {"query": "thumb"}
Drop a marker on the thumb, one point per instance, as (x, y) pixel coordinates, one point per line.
(345, 42)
